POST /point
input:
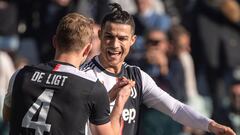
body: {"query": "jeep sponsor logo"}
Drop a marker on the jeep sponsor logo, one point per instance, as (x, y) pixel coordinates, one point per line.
(129, 115)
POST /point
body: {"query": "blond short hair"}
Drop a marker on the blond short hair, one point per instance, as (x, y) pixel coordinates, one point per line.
(74, 31)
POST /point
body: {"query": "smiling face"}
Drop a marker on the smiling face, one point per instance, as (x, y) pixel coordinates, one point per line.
(116, 40)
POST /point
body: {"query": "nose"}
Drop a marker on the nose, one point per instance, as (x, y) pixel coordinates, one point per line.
(115, 43)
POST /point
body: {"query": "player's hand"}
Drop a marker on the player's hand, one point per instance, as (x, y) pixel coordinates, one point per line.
(124, 93)
(219, 129)
(122, 81)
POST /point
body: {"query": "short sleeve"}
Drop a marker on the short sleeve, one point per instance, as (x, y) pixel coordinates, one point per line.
(100, 110)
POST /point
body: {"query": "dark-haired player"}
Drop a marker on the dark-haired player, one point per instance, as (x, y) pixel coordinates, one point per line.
(55, 98)
(117, 37)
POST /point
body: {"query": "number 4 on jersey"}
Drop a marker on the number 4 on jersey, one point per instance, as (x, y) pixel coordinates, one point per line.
(42, 104)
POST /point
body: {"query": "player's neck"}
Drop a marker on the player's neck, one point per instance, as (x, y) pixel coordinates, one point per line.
(108, 66)
(70, 58)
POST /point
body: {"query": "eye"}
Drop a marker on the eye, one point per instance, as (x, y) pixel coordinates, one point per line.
(108, 37)
(123, 38)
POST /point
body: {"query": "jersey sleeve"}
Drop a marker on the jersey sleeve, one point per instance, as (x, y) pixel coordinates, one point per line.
(155, 97)
(8, 96)
(100, 109)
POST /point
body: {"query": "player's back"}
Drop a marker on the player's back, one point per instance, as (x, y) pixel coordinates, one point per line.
(53, 99)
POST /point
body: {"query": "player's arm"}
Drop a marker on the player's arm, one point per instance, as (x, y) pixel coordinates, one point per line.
(8, 99)
(123, 86)
(6, 113)
(7, 105)
(156, 98)
(100, 111)
(103, 129)
(100, 124)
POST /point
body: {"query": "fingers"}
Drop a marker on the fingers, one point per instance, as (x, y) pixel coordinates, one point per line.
(219, 129)
(125, 91)
(229, 131)
(124, 81)
(226, 131)
(120, 83)
(123, 84)
(115, 89)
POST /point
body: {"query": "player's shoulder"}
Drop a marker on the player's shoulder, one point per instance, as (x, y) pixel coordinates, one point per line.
(62, 69)
(40, 66)
(76, 72)
(89, 65)
(128, 66)
(133, 68)
(23, 70)
(136, 70)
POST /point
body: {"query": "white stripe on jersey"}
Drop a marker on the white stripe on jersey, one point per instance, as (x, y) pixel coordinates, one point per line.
(75, 71)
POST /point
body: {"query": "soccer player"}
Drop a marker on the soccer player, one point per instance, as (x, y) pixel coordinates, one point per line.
(55, 98)
(117, 37)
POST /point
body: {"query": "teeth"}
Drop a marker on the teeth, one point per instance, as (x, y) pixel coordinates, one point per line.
(114, 52)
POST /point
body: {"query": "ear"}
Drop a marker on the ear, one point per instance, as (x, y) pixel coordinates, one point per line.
(87, 49)
(99, 33)
(133, 39)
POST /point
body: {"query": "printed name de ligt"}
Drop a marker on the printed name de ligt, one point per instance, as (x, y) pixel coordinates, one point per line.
(52, 79)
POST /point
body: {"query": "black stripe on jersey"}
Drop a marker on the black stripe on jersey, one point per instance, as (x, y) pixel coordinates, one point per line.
(98, 65)
(84, 66)
(133, 73)
(88, 66)
(92, 65)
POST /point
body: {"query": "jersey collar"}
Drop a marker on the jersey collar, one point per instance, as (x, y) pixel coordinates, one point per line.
(96, 61)
(55, 62)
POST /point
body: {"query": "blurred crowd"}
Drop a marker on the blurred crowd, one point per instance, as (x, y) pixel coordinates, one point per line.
(190, 47)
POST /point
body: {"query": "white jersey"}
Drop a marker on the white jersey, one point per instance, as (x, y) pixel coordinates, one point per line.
(148, 93)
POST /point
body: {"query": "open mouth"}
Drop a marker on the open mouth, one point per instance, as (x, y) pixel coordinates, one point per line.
(113, 53)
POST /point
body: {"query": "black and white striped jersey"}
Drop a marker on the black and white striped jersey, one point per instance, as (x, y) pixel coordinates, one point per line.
(145, 92)
(130, 113)
(55, 99)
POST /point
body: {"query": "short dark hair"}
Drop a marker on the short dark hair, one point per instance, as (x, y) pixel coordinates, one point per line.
(117, 15)
(234, 82)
